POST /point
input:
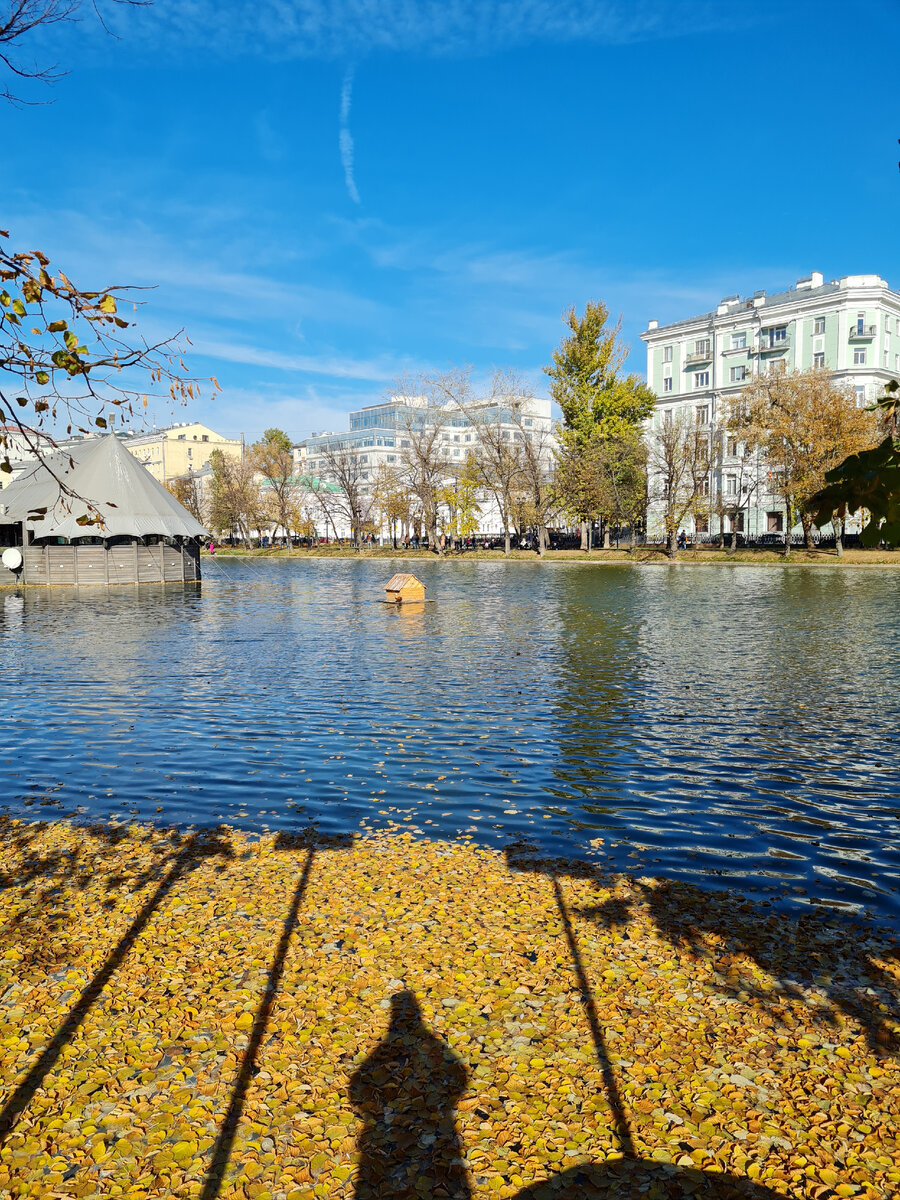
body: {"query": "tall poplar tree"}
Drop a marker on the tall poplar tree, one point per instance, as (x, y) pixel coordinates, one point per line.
(598, 401)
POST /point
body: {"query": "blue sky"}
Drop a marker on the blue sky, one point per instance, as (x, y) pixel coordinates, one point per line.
(326, 195)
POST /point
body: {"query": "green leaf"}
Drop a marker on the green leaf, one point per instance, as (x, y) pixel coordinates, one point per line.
(70, 339)
(56, 326)
(107, 304)
(42, 377)
(4, 299)
(19, 307)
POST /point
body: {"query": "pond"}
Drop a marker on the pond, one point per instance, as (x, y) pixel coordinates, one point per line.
(734, 727)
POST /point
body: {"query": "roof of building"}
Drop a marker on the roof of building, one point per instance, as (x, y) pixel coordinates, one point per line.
(745, 305)
(398, 582)
(99, 473)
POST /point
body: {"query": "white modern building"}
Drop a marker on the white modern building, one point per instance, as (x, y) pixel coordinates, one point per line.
(380, 433)
(850, 326)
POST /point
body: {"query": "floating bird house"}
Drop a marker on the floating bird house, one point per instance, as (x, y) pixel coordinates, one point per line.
(403, 588)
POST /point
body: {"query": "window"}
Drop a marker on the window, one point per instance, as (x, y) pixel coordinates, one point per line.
(887, 324)
(777, 335)
(205, 437)
(667, 353)
(456, 437)
(732, 448)
(774, 522)
(886, 360)
(701, 379)
(468, 437)
(739, 341)
(737, 374)
(667, 384)
(182, 437)
(528, 421)
(859, 356)
(860, 394)
(667, 418)
(701, 414)
(392, 458)
(701, 525)
(776, 366)
(701, 346)
(731, 485)
(819, 325)
(860, 323)
(818, 360)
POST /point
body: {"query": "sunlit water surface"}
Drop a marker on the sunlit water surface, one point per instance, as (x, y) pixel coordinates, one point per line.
(733, 727)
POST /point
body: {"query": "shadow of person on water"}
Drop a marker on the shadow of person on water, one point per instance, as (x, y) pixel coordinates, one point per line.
(405, 1093)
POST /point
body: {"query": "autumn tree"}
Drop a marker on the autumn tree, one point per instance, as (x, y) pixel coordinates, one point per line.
(598, 401)
(460, 497)
(803, 424)
(273, 458)
(391, 499)
(423, 451)
(235, 504)
(678, 457)
(342, 467)
(739, 481)
(188, 491)
(25, 19)
(66, 360)
(537, 498)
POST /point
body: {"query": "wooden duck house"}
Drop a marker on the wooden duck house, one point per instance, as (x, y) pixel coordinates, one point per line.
(402, 588)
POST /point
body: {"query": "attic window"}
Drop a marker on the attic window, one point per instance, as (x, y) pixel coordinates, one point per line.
(182, 437)
(205, 437)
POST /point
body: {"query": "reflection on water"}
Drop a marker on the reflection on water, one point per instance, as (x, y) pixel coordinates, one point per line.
(731, 726)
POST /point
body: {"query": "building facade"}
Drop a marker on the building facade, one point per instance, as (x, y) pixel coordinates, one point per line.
(178, 449)
(850, 327)
(379, 434)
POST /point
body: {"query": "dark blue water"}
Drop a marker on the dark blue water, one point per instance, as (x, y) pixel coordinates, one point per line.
(734, 726)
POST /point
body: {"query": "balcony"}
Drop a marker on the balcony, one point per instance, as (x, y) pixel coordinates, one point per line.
(698, 356)
(863, 333)
(766, 347)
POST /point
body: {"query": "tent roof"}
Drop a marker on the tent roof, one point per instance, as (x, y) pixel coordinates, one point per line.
(102, 473)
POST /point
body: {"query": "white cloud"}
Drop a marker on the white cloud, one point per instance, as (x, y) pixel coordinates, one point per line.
(379, 371)
(342, 29)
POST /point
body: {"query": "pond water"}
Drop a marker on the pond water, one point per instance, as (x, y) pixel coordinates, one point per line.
(733, 726)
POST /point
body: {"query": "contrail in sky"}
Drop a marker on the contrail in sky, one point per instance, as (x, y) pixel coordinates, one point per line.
(345, 140)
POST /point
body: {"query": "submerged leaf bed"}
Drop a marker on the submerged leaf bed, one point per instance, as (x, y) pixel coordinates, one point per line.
(206, 1015)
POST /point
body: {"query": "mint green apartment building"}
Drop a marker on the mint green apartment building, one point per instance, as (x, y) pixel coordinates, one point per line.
(850, 326)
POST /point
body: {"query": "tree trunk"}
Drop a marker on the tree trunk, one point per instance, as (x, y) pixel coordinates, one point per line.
(506, 538)
(590, 536)
(837, 522)
(584, 535)
(732, 549)
(722, 532)
(789, 524)
(672, 544)
(632, 543)
(605, 536)
(542, 540)
(807, 531)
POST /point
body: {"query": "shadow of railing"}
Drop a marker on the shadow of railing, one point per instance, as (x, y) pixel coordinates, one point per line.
(632, 1175)
(220, 1154)
(191, 850)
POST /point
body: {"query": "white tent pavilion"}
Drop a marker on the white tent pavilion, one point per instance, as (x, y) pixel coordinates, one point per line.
(143, 534)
